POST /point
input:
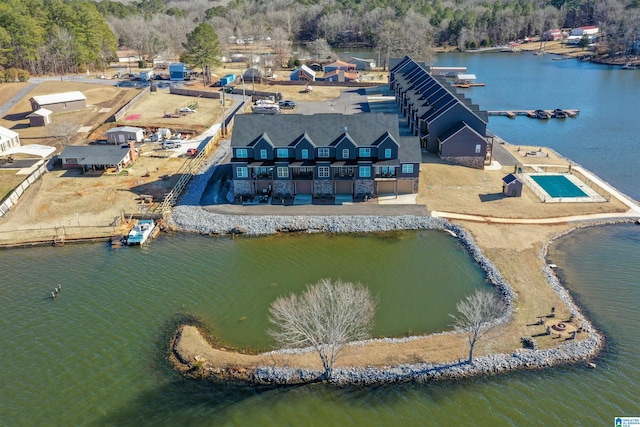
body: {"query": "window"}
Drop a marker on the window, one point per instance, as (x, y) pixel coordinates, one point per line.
(241, 153)
(283, 172)
(282, 153)
(242, 172)
(323, 152)
(478, 146)
(345, 153)
(304, 153)
(364, 152)
(407, 168)
(365, 171)
(263, 154)
(387, 153)
(323, 172)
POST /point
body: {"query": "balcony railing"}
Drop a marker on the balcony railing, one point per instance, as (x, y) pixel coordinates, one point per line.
(262, 175)
(302, 175)
(386, 175)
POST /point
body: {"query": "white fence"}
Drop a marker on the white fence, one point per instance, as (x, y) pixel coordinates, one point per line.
(15, 195)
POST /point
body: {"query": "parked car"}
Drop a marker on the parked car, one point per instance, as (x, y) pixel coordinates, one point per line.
(167, 145)
(287, 104)
(191, 151)
(187, 110)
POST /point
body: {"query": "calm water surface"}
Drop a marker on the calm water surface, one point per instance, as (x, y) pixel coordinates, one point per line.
(95, 356)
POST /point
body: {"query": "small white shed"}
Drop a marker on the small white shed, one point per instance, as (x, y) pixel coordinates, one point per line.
(124, 134)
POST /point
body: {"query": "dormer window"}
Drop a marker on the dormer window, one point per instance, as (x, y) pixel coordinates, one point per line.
(387, 153)
(323, 152)
(364, 152)
(345, 153)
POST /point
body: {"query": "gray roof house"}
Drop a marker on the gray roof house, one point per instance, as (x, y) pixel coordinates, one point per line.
(363, 64)
(324, 155)
(439, 116)
(97, 157)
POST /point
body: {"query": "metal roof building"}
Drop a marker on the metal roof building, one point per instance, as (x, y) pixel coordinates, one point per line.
(59, 102)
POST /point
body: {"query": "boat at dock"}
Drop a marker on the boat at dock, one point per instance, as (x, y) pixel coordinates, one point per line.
(141, 232)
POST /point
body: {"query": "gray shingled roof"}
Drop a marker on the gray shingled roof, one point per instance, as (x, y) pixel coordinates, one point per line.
(95, 154)
(323, 129)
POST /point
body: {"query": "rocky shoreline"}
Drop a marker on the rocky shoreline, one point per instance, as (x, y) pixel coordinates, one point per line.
(189, 216)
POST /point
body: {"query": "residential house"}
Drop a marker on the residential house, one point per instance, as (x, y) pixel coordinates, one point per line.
(323, 154)
(363, 64)
(124, 135)
(303, 73)
(59, 102)
(40, 117)
(577, 34)
(552, 35)
(253, 73)
(340, 76)
(8, 139)
(338, 66)
(445, 121)
(98, 157)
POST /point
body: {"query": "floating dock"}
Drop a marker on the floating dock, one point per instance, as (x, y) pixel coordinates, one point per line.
(531, 113)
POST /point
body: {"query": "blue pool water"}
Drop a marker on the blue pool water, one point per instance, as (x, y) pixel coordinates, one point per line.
(558, 186)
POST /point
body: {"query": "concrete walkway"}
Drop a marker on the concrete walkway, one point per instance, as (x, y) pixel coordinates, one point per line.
(4, 108)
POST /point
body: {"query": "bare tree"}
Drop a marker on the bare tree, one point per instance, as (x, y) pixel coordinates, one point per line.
(326, 317)
(319, 48)
(476, 314)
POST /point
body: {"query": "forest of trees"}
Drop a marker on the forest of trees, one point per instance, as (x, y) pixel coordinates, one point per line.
(57, 36)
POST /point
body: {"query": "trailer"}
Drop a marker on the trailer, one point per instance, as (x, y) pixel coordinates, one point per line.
(146, 75)
(228, 79)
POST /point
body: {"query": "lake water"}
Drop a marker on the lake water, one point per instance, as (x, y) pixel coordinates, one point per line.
(95, 356)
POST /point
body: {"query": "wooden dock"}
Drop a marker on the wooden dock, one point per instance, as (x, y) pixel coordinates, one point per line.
(531, 113)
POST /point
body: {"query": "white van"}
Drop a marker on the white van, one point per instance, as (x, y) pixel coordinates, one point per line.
(171, 144)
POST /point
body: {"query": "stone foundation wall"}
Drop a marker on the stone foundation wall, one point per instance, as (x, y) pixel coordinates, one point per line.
(284, 188)
(365, 186)
(241, 188)
(322, 186)
(472, 162)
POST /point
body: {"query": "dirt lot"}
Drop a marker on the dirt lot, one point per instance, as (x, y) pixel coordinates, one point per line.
(76, 201)
(102, 101)
(151, 111)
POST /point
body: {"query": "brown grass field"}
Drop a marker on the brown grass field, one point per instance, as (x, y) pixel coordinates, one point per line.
(7, 90)
(99, 98)
(150, 111)
(458, 189)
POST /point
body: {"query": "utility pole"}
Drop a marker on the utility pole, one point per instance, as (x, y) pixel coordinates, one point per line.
(224, 131)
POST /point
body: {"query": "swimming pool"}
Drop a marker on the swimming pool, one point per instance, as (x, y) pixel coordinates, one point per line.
(558, 186)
